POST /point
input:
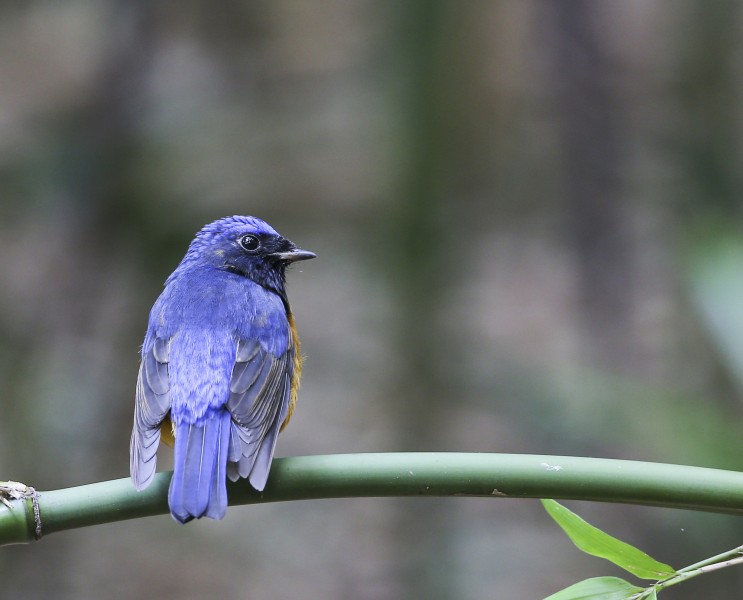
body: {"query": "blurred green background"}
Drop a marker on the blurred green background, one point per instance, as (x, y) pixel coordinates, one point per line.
(527, 216)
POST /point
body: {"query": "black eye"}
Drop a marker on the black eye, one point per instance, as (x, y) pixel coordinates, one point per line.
(250, 243)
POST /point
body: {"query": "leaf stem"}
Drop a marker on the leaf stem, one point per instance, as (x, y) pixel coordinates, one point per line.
(723, 556)
(714, 563)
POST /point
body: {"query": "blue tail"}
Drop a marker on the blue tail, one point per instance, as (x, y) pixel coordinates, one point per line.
(199, 484)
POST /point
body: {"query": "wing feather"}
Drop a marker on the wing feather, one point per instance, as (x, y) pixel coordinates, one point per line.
(258, 403)
(152, 403)
(264, 457)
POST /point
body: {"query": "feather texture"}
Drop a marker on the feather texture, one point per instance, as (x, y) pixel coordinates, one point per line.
(259, 396)
(198, 487)
(220, 363)
(152, 403)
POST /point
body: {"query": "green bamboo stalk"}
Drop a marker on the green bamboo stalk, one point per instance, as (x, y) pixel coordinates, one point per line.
(400, 474)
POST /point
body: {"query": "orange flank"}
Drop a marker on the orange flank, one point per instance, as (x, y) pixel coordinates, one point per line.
(297, 373)
(167, 431)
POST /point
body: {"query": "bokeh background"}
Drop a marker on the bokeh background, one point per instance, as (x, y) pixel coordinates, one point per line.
(527, 215)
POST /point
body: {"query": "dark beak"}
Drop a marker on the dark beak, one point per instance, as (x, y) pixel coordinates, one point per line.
(294, 255)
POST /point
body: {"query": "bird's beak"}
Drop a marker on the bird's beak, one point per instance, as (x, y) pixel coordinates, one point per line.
(294, 255)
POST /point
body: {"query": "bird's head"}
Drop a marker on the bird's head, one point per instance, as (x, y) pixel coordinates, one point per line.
(247, 247)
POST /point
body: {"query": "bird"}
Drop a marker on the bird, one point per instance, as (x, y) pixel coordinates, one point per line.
(220, 366)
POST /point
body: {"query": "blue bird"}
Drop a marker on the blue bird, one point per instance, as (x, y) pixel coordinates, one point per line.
(220, 366)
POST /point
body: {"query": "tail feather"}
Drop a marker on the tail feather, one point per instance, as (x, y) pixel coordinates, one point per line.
(217, 506)
(198, 487)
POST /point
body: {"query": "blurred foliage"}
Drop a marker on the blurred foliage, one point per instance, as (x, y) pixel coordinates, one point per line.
(527, 217)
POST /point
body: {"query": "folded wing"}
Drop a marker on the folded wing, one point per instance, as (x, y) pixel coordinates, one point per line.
(260, 390)
(151, 407)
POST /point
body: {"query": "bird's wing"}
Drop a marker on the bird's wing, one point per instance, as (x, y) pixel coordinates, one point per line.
(260, 390)
(151, 408)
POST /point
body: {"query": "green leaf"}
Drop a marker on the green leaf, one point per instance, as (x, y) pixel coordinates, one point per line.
(597, 543)
(598, 588)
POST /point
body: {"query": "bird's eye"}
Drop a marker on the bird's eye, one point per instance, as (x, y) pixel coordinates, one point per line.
(250, 243)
